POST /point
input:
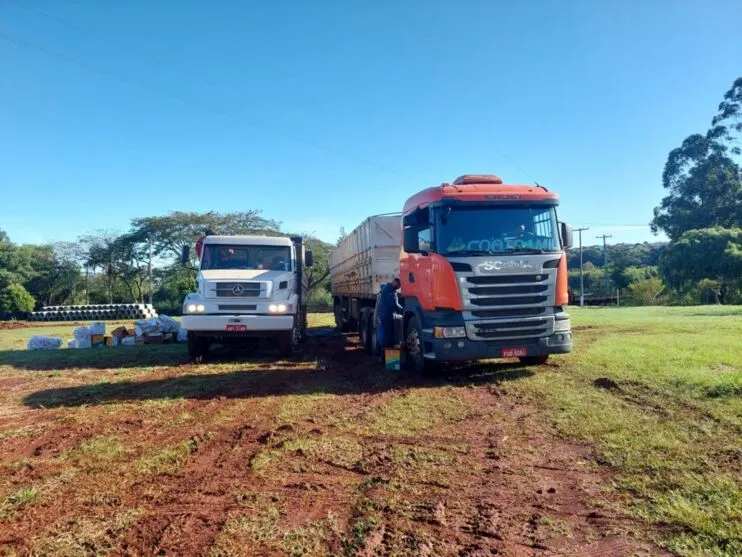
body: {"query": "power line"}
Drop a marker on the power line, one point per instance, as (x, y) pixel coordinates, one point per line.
(117, 44)
(77, 27)
(185, 100)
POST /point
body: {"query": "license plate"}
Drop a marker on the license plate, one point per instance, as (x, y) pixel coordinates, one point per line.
(236, 328)
(518, 352)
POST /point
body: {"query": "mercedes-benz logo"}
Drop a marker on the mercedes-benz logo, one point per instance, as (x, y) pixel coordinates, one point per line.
(238, 290)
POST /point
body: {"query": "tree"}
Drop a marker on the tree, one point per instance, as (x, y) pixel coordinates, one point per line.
(169, 234)
(320, 271)
(703, 180)
(15, 301)
(711, 253)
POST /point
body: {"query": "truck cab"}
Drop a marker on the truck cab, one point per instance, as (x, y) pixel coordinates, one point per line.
(484, 273)
(247, 287)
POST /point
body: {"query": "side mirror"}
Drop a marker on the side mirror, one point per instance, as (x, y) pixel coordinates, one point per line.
(185, 255)
(308, 259)
(410, 242)
(566, 231)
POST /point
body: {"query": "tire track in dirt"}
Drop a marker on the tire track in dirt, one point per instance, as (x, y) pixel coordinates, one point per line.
(493, 481)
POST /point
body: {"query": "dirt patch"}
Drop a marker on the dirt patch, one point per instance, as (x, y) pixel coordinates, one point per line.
(295, 458)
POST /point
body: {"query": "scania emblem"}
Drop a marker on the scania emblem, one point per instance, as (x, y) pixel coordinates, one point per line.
(238, 290)
(511, 265)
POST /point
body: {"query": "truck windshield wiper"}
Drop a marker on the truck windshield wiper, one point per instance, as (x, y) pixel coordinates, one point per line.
(524, 251)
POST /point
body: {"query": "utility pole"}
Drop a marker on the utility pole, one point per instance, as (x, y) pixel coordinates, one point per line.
(149, 269)
(582, 276)
(605, 248)
(605, 260)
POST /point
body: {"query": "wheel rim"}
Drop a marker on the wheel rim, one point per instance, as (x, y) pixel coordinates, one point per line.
(414, 349)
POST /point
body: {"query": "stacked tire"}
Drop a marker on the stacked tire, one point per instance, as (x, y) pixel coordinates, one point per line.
(96, 312)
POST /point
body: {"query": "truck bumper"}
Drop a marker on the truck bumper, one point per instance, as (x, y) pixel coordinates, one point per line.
(255, 325)
(462, 349)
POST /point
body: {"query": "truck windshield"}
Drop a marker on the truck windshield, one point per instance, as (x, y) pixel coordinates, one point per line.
(269, 258)
(497, 230)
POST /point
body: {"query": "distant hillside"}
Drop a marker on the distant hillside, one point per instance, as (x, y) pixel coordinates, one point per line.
(629, 255)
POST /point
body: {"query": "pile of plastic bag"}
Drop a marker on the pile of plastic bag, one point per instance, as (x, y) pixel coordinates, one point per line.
(156, 325)
(39, 342)
(82, 336)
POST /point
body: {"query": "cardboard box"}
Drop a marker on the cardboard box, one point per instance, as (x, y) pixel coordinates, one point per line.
(119, 332)
(97, 341)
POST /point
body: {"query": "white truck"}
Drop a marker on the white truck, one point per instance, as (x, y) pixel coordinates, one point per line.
(365, 260)
(247, 288)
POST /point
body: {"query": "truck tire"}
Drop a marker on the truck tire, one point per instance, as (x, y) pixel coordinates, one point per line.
(372, 340)
(198, 347)
(534, 360)
(338, 311)
(414, 350)
(364, 326)
(288, 342)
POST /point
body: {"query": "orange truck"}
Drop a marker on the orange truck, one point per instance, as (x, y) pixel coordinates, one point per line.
(483, 271)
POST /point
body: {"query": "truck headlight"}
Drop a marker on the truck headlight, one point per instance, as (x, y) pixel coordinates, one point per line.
(195, 308)
(562, 325)
(450, 332)
(279, 308)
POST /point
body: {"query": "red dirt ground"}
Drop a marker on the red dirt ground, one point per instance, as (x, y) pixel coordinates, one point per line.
(495, 481)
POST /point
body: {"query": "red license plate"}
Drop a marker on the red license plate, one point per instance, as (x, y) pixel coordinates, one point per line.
(518, 352)
(236, 328)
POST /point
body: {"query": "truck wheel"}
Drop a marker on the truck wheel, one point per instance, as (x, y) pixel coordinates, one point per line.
(372, 337)
(288, 342)
(363, 329)
(198, 347)
(370, 344)
(414, 350)
(534, 360)
(338, 310)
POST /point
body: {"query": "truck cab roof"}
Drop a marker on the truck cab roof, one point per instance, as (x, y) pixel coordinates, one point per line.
(480, 187)
(249, 240)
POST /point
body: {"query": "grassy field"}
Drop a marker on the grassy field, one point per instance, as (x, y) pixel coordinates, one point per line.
(632, 444)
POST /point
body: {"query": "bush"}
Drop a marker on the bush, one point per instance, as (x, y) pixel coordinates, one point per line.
(319, 298)
(15, 301)
(647, 292)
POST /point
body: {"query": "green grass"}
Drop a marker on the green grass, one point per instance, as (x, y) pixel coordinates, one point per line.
(166, 461)
(23, 497)
(657, 392)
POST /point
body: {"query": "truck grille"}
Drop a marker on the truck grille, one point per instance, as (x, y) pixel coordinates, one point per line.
(238, 289)
(508, 306)
(511, 329)
(236, 307)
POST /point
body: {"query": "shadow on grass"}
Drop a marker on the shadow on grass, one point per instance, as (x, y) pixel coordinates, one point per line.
(98, 358)
(336, 379)
(122, 357)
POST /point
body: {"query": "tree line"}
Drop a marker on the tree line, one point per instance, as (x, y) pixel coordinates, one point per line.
(137, 265)
(701, 215)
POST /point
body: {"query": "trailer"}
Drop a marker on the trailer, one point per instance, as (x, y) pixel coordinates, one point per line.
(365, 260)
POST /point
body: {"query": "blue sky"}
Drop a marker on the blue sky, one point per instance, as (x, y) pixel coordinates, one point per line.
(322, 113)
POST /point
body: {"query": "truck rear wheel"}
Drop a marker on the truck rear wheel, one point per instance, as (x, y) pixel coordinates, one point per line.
(365, 326)
(198, 347)
(534, 360)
